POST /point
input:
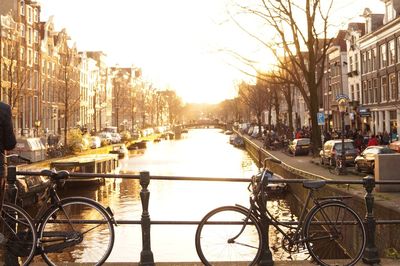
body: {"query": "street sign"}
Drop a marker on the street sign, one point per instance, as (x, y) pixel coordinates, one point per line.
(321, 118)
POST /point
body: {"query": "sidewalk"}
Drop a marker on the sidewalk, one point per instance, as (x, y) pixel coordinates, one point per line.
(311, 165)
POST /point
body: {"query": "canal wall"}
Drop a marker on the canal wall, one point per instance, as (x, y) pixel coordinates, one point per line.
(385, 207)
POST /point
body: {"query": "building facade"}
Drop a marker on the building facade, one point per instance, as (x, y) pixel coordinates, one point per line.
(380, 62)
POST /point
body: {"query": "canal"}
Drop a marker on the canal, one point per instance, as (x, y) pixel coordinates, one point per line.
(199, 153)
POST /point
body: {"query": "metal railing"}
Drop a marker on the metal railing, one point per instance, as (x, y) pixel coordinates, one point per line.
(370, 256)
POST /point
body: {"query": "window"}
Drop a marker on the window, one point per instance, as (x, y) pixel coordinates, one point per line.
(384, 92)
(35, 15)
(22, 30)
(370, 92)
(36, 36)
(389, 11)
(22, 8)
(373, 54)
(29, 15)
(36, 57)
(356, 62)
(382, 56)
(352, 92)
(368, 63)
(363, 62)
(364, 92)
(392, 86)
(29, 59)
(358, 98)
(392, 52)
(30, 35)
(375, 86)
(351, 64)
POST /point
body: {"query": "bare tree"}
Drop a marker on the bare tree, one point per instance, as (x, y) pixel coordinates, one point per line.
(256, 98)
(304, 45)
(68, 85)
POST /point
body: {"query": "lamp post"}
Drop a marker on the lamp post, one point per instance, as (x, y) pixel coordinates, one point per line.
(342, 104)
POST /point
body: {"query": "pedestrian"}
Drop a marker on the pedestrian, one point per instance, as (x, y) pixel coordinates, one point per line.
(373, 141)
(7, 137)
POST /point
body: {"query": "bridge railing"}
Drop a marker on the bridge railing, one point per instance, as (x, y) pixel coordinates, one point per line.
(371, 255)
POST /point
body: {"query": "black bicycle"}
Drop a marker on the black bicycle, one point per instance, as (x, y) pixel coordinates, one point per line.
(331, 231)
(72, 229)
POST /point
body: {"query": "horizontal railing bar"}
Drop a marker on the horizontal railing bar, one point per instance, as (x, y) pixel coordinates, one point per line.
(171, 222)
(216, 179)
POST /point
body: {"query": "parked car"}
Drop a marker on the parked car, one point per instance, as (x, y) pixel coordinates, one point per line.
(115, 138)
(299, 146)
(94, 142)
(105, 137)
(395, 145)
(332, 149)
(366, 160)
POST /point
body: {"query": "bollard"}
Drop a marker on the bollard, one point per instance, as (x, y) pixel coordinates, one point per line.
(371, 255)
(146, 255)
(11, 196)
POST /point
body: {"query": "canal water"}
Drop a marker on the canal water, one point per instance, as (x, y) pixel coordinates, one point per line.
(199, 153)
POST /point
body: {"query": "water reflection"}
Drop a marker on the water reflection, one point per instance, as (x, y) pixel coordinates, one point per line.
(200, 153)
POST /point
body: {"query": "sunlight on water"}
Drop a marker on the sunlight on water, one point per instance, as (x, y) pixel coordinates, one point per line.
(200, 153)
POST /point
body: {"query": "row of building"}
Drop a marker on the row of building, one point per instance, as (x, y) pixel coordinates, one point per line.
(363, 63)
(52, 86)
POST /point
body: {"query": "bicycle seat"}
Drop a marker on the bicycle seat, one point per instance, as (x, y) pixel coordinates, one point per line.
(54, 175)
(314, 184)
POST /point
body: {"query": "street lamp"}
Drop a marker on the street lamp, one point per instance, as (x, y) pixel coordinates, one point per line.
(342, 104)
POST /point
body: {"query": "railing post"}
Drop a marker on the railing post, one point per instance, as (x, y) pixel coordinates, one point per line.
(266, 257)
(11, 196)
(371, 255)
(12, 189)
(146, 255)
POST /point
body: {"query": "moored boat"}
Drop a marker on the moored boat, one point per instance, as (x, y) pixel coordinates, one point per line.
(92, 164)
(120, 150)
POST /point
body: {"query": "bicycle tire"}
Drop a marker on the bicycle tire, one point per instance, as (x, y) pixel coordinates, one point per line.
(86, 224)
(212, 239)
(18, 236)
(334, 234)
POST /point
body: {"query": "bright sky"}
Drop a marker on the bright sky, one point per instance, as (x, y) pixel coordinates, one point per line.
(175, 42)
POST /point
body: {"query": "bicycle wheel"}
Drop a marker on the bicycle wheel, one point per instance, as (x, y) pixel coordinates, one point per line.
(334, 234)
(17, 236)
(226, 234)
(78, 230)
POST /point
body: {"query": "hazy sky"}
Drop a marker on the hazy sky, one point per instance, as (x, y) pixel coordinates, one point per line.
(175, 42)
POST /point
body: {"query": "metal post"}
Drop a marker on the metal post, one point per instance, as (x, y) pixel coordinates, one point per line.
(146, 255)
(11, 196)
(266, 257)
(12, 189)
(342, 166)
(371, 255)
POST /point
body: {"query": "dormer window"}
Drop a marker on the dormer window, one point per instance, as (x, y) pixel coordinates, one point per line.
(390, 13)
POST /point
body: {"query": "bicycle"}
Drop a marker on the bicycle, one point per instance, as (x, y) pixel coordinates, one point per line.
(237, 233)
(69, 229)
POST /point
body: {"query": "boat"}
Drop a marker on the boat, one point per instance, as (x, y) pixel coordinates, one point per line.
(120, 150)
(92, 164)
(275, 189)
(138, 145)
(31, 189)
